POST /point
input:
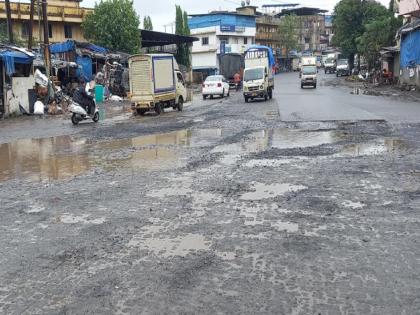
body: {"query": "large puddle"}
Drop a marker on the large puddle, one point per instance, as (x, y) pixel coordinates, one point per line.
(63, 157)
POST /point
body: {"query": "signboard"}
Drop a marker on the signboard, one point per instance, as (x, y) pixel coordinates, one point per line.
(227, 28)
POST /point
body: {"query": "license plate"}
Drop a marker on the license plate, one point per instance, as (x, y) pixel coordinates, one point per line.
(254, 94)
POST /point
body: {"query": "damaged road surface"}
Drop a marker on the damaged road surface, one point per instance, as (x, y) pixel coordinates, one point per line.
(227, 208)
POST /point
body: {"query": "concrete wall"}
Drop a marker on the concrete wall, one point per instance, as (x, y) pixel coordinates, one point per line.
(410, 76)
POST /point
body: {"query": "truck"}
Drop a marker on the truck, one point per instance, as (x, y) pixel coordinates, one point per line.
(309, 71)
(156, 83)
(343, 67)
(258, 78)
(329, 65)
(230, 64)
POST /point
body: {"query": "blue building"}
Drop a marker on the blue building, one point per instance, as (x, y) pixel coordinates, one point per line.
(221, 32)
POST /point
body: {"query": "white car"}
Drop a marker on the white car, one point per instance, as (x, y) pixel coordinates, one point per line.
(215, 85)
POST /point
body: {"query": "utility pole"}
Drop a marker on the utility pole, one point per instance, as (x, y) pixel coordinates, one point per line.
(9, 21)
(39, 22)
(47, 57)
(31, 24)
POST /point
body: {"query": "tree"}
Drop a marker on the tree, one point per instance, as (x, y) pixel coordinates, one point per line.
(376, 36)
(349, 20)
(114, 24)
(181, 28)
(289, 33)
(147, 23)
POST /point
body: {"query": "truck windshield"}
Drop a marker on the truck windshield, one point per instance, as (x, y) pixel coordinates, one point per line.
(329, 61)
(309, 70)
(254, 74)
(342, 62)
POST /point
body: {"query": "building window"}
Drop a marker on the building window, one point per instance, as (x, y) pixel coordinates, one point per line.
(224, 39)
(25, 29)
(245, 40)
(68, 31)
(205, 41)
(50, 30)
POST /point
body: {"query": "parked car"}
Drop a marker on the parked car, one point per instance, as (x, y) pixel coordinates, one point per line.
(215, 85)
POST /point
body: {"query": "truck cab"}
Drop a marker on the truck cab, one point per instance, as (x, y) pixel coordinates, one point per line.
(256, 84)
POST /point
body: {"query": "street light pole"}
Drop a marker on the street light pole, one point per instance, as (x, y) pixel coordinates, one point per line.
(31, 25)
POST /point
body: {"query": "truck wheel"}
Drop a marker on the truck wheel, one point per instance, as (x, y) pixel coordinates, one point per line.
(301, 86)
(246, 99)
(223, 94)
(141, 111)
(211, 97)
(266, 97)
(180, 104)
(270, 93)
(204, 97)
(314, 86)
(158, 108)
(74, 119)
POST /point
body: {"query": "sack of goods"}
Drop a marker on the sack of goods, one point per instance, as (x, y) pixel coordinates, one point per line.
(40, 78)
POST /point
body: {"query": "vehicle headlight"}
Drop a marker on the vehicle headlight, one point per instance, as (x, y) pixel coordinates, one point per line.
(261, 87)
(245, 89)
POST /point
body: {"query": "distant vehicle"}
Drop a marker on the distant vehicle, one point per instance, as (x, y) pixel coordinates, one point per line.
(295, 64)
(215, 85)
(309, 76)
(155, 83)
(258, 81)
(330, 66)
(230, 65)
(307, 61)
(343, 67)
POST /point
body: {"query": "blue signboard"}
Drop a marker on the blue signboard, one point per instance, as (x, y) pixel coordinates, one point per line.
(227, 28)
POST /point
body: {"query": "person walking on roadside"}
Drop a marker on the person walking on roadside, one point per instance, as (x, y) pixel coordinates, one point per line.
(237, 79)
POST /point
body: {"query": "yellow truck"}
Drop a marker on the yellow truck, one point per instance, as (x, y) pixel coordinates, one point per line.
(155, 83)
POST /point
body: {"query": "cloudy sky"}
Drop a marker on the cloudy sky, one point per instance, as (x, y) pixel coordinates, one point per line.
(163, 11)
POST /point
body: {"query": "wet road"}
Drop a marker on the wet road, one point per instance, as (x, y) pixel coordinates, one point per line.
(227, 208)
(336, 103)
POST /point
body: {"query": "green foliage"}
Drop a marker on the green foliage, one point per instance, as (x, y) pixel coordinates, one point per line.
(115, 25)
(350, 21)
(289, 32)
(181, 28)
(147, 23)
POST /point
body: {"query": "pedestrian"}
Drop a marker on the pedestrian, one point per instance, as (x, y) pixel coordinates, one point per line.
(237, 79)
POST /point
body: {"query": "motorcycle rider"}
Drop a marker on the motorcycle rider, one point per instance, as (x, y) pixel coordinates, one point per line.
(81, 97)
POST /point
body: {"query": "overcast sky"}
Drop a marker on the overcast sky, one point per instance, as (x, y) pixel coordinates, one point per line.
(163, 11)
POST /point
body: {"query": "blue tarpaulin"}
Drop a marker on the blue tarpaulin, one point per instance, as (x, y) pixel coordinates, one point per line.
(62, 47)
(271, 59)
(10, 57)
(410, 49)
(86, 71)
(97, 49)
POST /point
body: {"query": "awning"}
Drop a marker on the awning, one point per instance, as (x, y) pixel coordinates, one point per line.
(10, 57)
(156, 39)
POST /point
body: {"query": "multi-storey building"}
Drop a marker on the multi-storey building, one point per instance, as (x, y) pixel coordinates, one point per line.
(64, 20)
(220, 32)
(312, 31)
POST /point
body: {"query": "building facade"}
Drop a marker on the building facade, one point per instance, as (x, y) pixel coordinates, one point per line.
(220, 33)
(312, 30)
(409, 8)
(64, 20)
(268, 32)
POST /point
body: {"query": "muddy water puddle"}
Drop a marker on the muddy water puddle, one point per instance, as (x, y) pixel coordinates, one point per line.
(62, 157)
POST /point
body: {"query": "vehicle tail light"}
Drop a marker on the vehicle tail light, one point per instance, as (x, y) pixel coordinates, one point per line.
(219, 84)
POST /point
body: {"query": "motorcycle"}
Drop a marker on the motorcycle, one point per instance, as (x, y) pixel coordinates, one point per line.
(79, 113)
